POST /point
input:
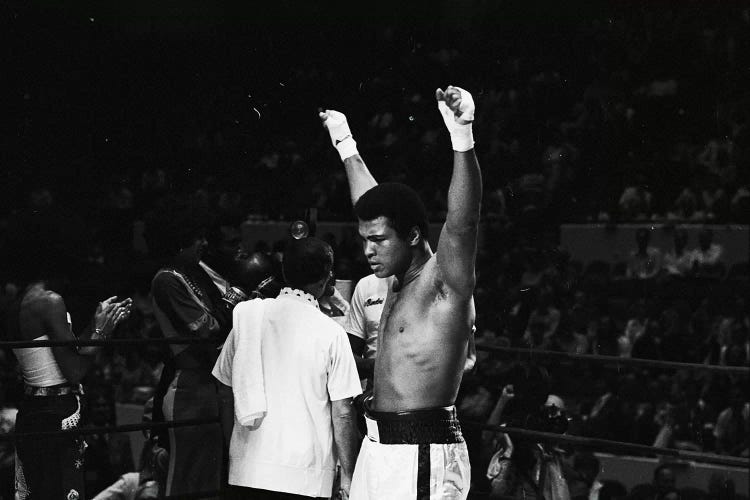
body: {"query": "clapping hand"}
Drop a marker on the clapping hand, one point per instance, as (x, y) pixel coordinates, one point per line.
(110, 313)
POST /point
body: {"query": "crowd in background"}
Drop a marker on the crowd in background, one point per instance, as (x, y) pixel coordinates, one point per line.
(634, 114)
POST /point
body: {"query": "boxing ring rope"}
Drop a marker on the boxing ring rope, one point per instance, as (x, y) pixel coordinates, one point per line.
(601, 444)
(16, 344)
(579, 441)
(107, 429)
(653, 363)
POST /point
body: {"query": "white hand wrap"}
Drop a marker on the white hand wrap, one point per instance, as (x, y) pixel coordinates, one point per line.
(459, 126)
(341, 136)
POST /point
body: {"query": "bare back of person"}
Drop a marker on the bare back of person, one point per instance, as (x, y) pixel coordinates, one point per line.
(424, 332)
(42, 311)
(34, 311)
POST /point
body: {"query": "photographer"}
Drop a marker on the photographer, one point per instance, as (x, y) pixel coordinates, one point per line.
(519, 466)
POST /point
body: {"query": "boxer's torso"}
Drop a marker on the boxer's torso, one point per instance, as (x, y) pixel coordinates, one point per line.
(424, 332)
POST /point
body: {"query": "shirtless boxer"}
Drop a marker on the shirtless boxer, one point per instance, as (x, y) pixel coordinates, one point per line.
(414, 447)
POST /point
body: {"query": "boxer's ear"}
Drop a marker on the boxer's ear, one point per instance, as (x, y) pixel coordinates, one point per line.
(414, 236)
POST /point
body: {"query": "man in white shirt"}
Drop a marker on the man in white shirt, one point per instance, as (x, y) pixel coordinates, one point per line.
(363, 320)
(293, 377)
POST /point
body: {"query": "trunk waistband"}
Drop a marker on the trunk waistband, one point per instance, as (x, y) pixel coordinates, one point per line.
(55, 390)
(428, 426)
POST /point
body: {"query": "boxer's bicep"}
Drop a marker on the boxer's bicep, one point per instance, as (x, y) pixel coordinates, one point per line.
(457, 246)
(456, 255)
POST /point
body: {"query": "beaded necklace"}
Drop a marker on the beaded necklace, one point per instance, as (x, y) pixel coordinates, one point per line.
(195, 287)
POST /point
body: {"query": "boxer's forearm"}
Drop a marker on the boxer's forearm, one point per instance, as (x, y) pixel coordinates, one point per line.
(359, 177)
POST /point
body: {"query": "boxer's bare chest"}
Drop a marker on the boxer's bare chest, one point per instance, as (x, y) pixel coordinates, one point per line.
(419, 350)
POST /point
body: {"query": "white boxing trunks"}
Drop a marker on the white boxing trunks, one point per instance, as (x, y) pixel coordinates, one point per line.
(412, 455)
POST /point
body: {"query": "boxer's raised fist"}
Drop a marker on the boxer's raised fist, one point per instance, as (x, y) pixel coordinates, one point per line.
(456, 106)
(341, 136)
(458, 102)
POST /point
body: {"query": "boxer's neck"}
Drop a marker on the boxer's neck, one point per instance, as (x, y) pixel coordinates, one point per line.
(414, 270)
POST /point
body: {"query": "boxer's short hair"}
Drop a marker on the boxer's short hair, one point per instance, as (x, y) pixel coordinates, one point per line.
(306, 261)
(399, 203)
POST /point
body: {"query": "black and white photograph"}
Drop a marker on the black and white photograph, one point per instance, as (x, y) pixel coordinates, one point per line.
(427, 250)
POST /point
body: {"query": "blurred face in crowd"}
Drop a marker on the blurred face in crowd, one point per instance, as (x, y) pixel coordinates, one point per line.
(664, 480)
(642, 238)
(705, 238)
(680, 240)
(387, 253)
(230, 244)
(192, 253)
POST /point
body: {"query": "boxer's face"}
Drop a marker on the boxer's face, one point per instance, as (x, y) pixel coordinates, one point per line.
(386, 252)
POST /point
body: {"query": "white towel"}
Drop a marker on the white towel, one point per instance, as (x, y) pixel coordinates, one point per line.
(248, 385)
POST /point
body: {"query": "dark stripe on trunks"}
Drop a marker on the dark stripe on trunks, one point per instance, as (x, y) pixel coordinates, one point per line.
(423, 472)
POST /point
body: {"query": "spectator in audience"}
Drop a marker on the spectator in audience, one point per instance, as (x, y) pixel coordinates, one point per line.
(649, 344)
(543, 320)
(693, 419)
(567, 340)
(678, 261)
(108, 455)
(635, 200)
(685, 207)
(146, 483)
(7, 451)
(740, 205)
(520, 467)
(582, 476)
(645, 261)
(602, 336)
(733, 424)
(634, 329)
(707, 258)
(663, 483)
(603, 419)
(611, 490)
(722, 487)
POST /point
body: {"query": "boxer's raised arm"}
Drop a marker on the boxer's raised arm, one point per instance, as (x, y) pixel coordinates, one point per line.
(359, 176)
(457, 247)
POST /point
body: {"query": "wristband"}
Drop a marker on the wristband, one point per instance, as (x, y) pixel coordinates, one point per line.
(462, 138)
(459, 124)
(347, 147)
